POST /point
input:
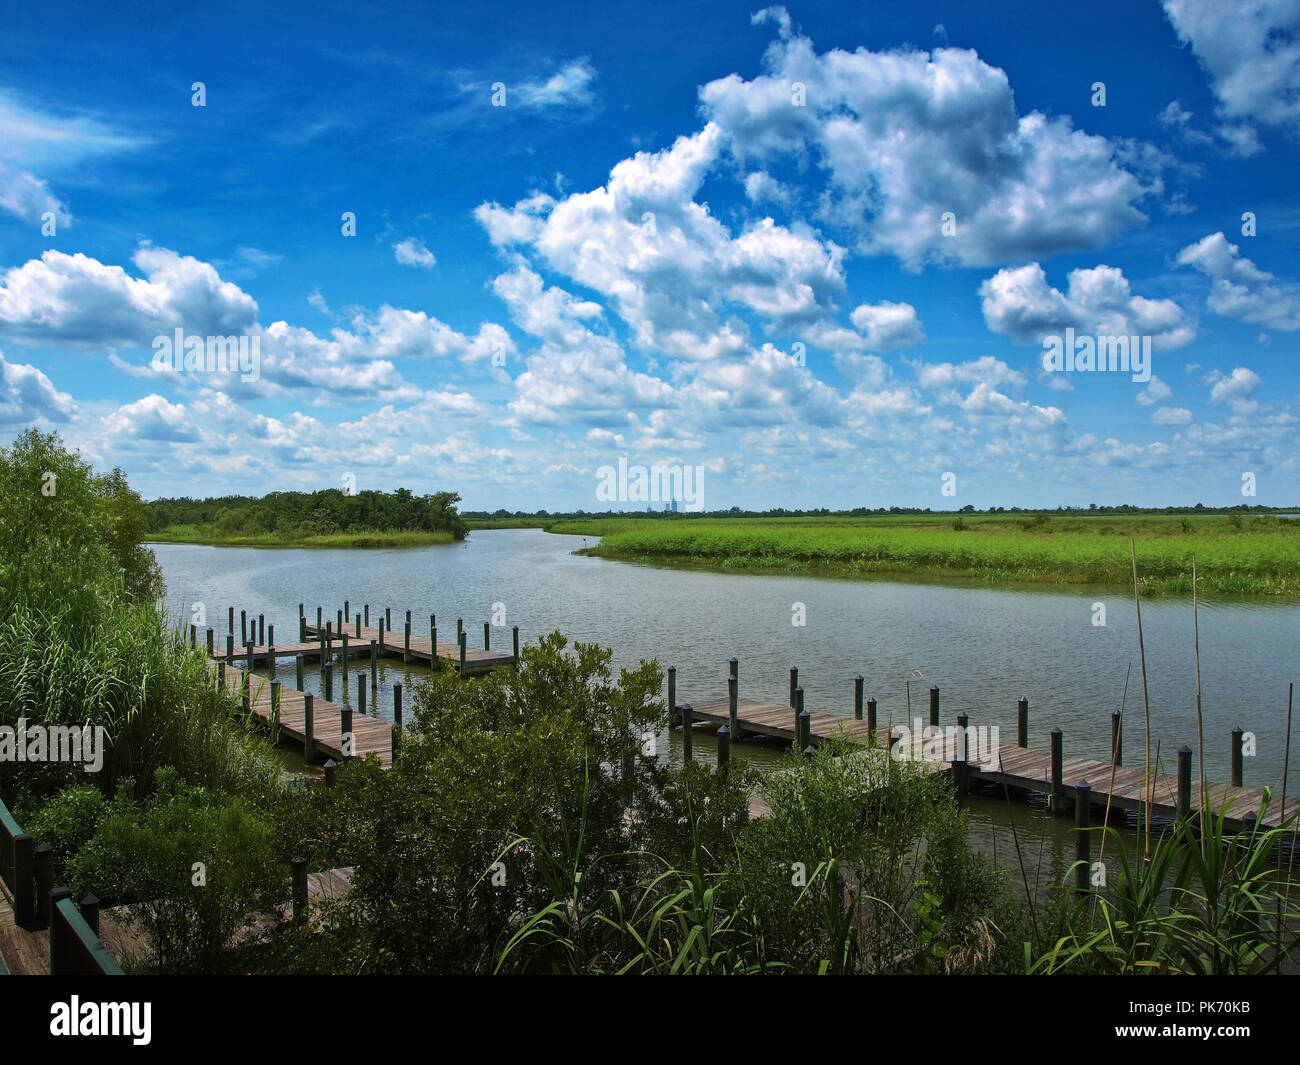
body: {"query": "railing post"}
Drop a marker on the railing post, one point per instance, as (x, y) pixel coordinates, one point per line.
(43, 867)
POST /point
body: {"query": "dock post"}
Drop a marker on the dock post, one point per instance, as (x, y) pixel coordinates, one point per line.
(733, 705)
(960, 774)
(1184, 781)
(381, 632)
(302, 623)
(270, 635)
(397, 705)
(345, 731)
(331, 772)
(895, 734)
(1237, 772)
(297, 669)
(194, 635)
(857, 697)
(794, 682)
(246, 693)
(672, 696)
(433, 641)
(243, 627)
(221, 675)
(388, 617)
(318, 620)
(796, 697)
(374, 666)
(358, 628)
(211, 635)
(406, 644)
(963, 737)
(270, 659)
(345, 654)
(805, 725)
(347, 610)
(1057, 797)
(487, 636)
(367, 615)
(687, 734)
(1117, 737)
(248, 655)
(463, 640)
(230, 620)
(1022, 723)
(299, 867)
(934, 705)
(408, 617)
(308, 727)
(261, 629)
(516, 641)
(275, 711)
(1083, 837)
(724, 747)
(230, 647)
(329, 638)
(361, 693)
(460, 628)
(735, 668)
(327, 676)
(871, 721)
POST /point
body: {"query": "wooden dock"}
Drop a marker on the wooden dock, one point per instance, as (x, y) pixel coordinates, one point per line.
(477, 659)
(1016, 768)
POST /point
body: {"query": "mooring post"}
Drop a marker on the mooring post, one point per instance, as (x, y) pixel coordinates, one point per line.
(1058, 762)
(406, 644)
(1082, 837)
(367, 615)
(1184, 781)
(194, 635)
(1117, 737)
(361, 693)
(857, 697)
(374, 666)
(794, 682)
(733, 705)
(934, 704)
(221, 675)
(308, 727)
(246, 692)
(388, 617)
(358, 628)
(1237, 771)
(270, 635)
(724, 747)
(487, 636)
(397, 705)
(381, 632)
(735, 668)
(963, 737)
(230, 620)
(464, 639)
(345, 654)
(515, 633)
(299, 867)
(796, 700)
(871, 722)
(329, 638)
(230, 647)
(248, 656)
(805, 725)
(672, 696)
(960, 772)
(261, 629)
(327, 675)
(1022, 723)
(433, 642)
(210, 637)
(243, 627)
(460, 628)
(302, 625)
(686, 711)
(297, 669)
(318, 618)
(331, 772)
(347, 609)
(275, 711)
(338, 621)
(345, 730)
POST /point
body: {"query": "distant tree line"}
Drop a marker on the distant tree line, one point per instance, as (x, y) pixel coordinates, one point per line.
(314, 513)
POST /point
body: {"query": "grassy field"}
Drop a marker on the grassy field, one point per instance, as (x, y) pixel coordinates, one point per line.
(1235, 554)
(194, 534)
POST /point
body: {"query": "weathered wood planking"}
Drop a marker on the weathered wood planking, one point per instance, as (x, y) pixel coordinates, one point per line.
(477, 660)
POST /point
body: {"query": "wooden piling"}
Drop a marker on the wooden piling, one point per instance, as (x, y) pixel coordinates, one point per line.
(1238, 774)
(733, 713)
(934, 704)
(261, 628)
(794, 682)
(871, 721)
(515, 634)
(1184, 781)
(463, 641)
(361, 693)
(243, 627)
(686, 711)
(857, 697)
(374, 665)
(210, 637)
(406, 644)
(672, 696)
(345, 730)
(331, 772)
(298, 670)
(327, 678)
(1022, 723)
(1057, 797)
(308, 727)
(724, 746)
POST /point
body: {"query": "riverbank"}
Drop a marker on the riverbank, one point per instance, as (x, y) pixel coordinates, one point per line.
(1234, 554)
(190, 534)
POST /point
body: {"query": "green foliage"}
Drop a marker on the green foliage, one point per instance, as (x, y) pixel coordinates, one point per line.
(327, 518)
(145, 856)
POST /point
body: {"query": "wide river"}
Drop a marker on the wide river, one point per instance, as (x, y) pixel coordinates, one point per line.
(983, 647)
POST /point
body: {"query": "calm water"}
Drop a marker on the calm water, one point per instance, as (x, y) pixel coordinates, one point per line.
(984, 648)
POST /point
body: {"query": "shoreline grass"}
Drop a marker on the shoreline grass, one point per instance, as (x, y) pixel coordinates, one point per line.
(1257, 556)
(369, 538)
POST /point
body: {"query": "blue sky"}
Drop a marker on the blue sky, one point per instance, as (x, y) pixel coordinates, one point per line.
(813, 250)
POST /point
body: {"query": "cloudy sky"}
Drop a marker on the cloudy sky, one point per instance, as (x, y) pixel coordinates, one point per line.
(815, 250)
